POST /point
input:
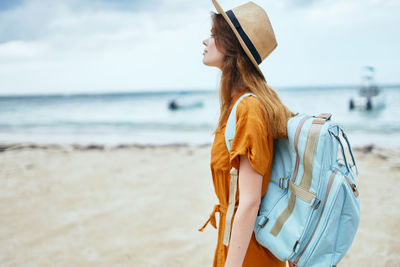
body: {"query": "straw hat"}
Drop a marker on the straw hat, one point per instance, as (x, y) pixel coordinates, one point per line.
(252, 27)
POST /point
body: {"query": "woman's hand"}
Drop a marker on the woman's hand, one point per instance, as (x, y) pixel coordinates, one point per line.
(250, 184)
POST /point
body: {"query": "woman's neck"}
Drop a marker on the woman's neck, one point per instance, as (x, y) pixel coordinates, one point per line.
(237, 91)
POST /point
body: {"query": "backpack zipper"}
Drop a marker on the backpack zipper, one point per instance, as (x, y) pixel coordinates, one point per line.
(331, 179)
(352, 186)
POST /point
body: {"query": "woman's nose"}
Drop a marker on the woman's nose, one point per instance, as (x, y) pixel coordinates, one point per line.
(205, 42)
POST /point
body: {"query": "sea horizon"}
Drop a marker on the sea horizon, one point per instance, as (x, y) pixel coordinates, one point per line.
(191, 90)
(143, 118)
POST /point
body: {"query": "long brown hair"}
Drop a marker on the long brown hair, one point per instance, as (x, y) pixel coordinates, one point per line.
(238, 73)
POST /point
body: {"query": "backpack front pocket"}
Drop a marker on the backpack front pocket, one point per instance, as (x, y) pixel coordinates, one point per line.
(322, 236)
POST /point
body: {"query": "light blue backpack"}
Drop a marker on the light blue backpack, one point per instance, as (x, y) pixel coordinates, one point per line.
(311, 210)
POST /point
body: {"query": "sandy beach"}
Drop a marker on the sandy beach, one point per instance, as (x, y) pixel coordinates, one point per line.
(142, 206)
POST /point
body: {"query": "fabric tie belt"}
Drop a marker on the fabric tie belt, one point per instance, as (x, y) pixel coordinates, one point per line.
(222, 209)
(228, 211)
(211, 219)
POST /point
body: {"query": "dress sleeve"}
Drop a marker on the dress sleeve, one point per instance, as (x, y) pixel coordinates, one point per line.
(252, 136)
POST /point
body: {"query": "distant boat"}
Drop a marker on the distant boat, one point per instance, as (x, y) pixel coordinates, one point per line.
(175, 104)
(370, 95)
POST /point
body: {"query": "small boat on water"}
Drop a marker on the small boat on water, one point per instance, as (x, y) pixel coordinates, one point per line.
(370, 95)
(175, 104)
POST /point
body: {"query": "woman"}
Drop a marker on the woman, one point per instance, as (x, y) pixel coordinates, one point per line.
(241, 38)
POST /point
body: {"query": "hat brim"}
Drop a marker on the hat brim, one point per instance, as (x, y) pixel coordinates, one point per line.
(242, 43)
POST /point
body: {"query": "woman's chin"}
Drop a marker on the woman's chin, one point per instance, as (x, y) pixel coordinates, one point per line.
(207, 63)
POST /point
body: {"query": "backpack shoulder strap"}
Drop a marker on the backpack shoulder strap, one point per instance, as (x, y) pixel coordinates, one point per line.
(231, 123)
(229, 135)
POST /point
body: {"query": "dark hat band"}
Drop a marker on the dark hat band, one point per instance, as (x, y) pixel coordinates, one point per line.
(244, 36)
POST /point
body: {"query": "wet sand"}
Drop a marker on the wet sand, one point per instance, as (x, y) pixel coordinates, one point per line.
(142, 206)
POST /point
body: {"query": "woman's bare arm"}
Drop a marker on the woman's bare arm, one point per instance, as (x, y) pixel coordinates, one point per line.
(250, 184)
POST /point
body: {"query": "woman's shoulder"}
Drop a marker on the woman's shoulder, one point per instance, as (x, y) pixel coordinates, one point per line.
(249, 105)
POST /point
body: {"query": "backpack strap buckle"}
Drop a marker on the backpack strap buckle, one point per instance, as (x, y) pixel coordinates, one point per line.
(325, 116)
(263, 221)
(283, 183)
(315, 203)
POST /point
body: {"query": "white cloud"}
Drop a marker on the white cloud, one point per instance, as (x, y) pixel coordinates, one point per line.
(105, 50)
(329, 41)
(57, 46)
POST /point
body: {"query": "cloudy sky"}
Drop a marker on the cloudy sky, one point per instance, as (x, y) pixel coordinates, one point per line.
(66, 46)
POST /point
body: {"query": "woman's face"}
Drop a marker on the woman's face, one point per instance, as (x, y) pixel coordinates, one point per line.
(211, 55)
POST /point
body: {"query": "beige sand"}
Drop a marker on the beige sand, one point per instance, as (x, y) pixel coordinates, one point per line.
(142, 207)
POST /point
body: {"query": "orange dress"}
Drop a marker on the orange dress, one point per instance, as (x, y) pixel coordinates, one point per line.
(253, 138)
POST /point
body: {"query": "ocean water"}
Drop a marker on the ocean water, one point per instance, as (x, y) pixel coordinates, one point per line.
(144, 118)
